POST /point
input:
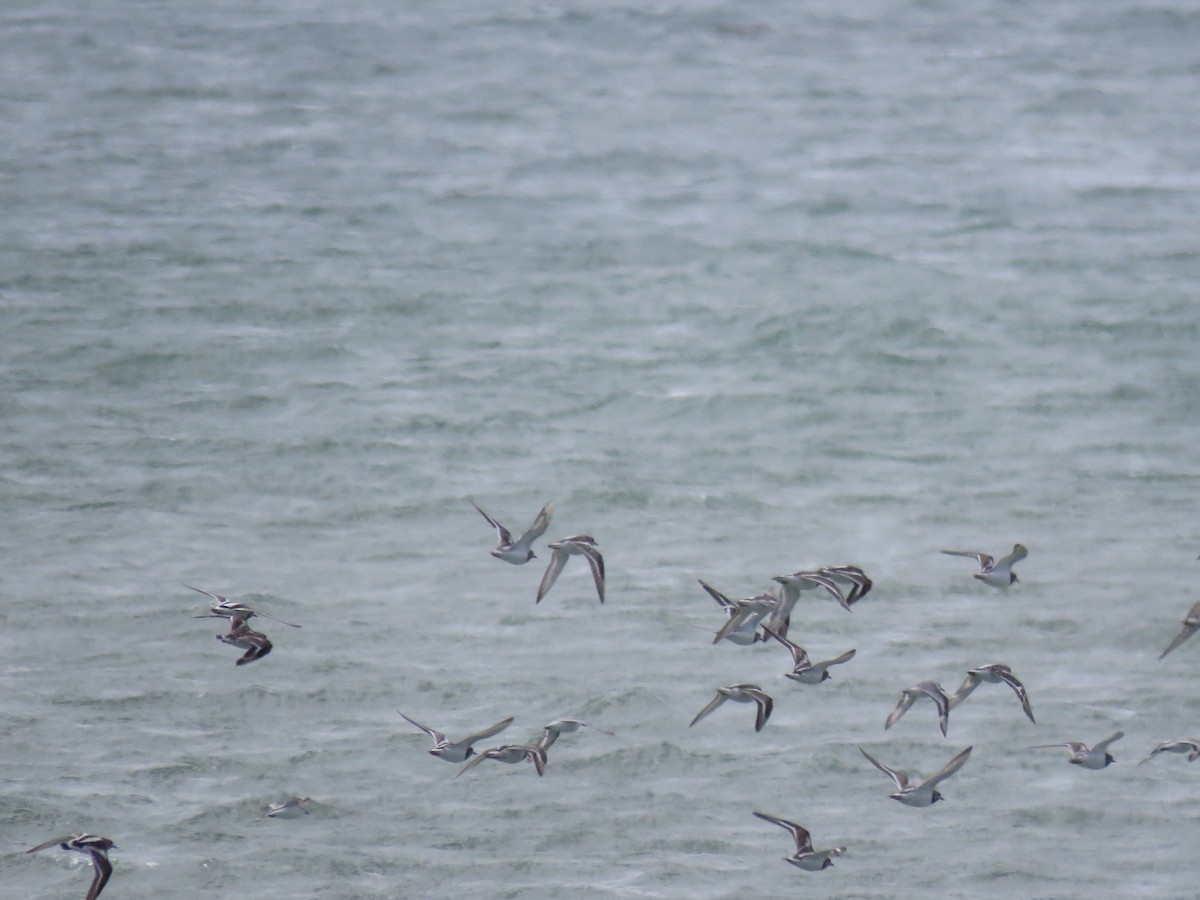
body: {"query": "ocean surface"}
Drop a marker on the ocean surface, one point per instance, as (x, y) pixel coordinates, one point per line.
(743, 289)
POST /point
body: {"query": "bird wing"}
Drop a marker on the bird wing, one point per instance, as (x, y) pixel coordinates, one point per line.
(596, 562)
(934, 692)
(900, 779)
(1188, 631)
(836, 661)
(502, 533)
(798, 832)
(763, 706)
(437, 736)
(712, 704)
(950, 768)
(1102, 746)
(1010, 679)
(50, 843)
(539, 526)
(724, 601)
(486, 733)
(558, 559)
(906, 700)
(985, 561)
(799, 654)
(103, 871)
(1018, 553)
(471, 763)
(216, 597)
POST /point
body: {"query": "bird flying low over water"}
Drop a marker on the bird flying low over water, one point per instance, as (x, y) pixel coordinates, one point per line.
(289, 809)
(804, 670)
(1096, 757)
(224, 608)
(741, 693)
(996, 572)
(95, 847)
(909, 695)
(520, 551)
(511, 754)
(240, 635)
(925, 793)
(1190, 746)
(460, 750)
(747, 630)
(551, 731)
(805, 857)
(996, 673)
(745, 616)
(578, 545)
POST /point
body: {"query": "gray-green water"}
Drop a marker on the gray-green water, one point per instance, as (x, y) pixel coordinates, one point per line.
(743, 288)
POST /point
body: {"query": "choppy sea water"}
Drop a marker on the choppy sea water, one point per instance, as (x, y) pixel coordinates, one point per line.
(743, 290)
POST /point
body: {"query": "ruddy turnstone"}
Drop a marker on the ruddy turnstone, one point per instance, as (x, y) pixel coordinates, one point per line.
(996, 673)
(805, 857)
(290, 809)
(741, 693)
(1191, 622)
(240, 635)
(926, 792)
(224, 608)
(793, 584)
(511, 754)
(94, 846)
(804, 670)
(520, 551)
(930, 689)
(1190, 746)
(551, 731)
(578, 545)
(996, 572)
(1095, 758)
(747, 632)
(860, 584)
(460, 750)
(745, 616)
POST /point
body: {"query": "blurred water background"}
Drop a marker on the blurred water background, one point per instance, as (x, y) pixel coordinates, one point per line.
(743, 288)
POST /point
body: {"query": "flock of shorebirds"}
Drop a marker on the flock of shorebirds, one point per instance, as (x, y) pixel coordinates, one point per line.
(758, 619)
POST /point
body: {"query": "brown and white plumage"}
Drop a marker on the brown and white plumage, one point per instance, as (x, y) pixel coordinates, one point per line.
(512, 754)
(240, 635)
(909, 695)
(1190, 746)
(460, 750)
(224, 608)
(805, 857)
(578, 545)
(520, 551)
(804, 669)
(996, 572)
(747, 631)
(997, 673)
(95, 847)
(1094, 757)
(925, 793)
(741, 693)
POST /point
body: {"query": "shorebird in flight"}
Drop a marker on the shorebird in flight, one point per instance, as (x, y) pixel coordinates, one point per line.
(1096, 757)
(579, 545)
(805, 857)
(95, 847)
(996, 572)
(520, 551)
(925, 793)
(460, 750)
